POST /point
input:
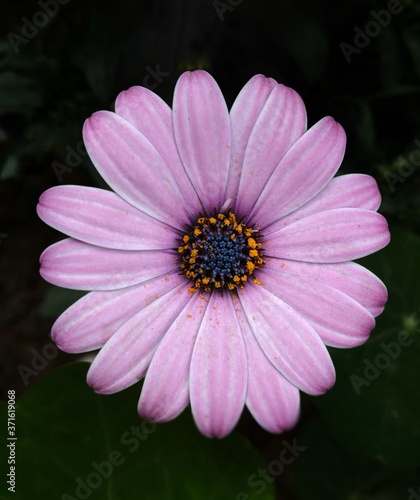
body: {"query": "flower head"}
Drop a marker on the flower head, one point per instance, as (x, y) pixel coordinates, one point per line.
(219, 267)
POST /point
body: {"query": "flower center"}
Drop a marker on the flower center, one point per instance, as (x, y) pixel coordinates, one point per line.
(220, 252)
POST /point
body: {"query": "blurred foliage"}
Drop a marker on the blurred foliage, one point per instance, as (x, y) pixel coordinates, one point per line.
(97, 447)
(90, 51)
(330, 472)
(360, 444)
(57, 300)
(374, 407)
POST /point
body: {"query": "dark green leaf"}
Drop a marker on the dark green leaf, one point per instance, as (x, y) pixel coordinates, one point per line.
(374, 407)
(74, 442)
(18, 94)
(334, 473)
(57, 300)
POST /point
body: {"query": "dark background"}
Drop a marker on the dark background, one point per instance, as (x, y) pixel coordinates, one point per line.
(58, 68)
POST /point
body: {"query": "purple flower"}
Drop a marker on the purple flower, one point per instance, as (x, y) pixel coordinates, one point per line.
(219, 268)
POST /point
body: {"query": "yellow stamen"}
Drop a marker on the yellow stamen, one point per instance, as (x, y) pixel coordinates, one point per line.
(252, 243)
(203, 246)
(250, 266)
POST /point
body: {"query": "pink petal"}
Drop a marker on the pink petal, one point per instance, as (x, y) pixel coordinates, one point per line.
(93, 319)
(288, 340)
(331, 236)
(74, 264)
(272, 400)
(202, 134)
(218, 374)
(165, 392)
(126, 356)
(153, 118)
(303, 172)
(348, 277)
(346, 191)
(281, 123)
(338, 319)
(244, 113)
(102, 218)
(133, 167)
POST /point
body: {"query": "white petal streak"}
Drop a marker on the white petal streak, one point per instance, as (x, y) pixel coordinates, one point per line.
(218, 369)
(332, 236)
(345, 191)
(133, 167)
(243, 116)
(348, 277)
(272, 400)
(338, 319)
(153, 118)
(281, 123)
(288, 340)
(92, 320)
(102, 218)
(126, 356)
(202, 133)
(74, 264)
(306, 168)
(165, 391)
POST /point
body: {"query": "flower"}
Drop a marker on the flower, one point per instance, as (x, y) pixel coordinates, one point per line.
(219, 268)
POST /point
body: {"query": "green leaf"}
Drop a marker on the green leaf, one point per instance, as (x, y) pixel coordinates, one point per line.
(10, 168)
(410, 36)
(334, 473)
(57, 300)
(307, 43)
(374, 407)
(99, 58)
(18, 94)
(74, 442)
